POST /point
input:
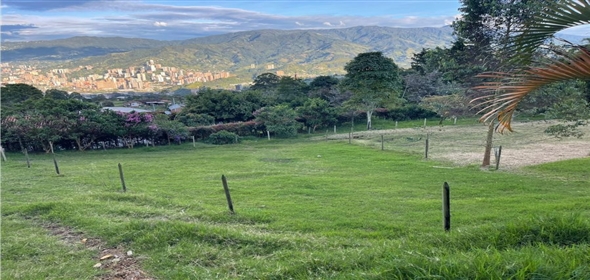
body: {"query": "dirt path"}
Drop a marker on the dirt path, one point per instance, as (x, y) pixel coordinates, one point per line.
(464, 145)
(117, 263)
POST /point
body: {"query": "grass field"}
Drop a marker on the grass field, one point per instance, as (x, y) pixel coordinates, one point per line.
(305, 209)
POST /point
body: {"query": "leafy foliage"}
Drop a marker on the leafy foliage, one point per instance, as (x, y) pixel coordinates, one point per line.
(317, 112)
(507, 89)
(223, 137)
(373, 79)
(280, 120)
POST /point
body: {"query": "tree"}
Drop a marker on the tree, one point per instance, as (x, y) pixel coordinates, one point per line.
(135, 125)
(447, 105)
(56, 94)
(87, 126)
(13, 94)
(484, 31)
(418, 86)
(317, 112)
(486, 27)
(222, 105)
(278, 119)
(508, 89)
(327, 88)
(292, 91)
(373, 79)
(265, 82)
(323, 83)
(171, 129)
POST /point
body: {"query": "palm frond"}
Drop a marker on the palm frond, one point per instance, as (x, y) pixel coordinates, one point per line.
(506, 90)
(555, 17)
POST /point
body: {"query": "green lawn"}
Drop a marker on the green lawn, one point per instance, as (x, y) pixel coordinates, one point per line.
(304, 209)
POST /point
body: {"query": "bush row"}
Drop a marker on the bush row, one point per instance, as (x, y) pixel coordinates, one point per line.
(249, 128)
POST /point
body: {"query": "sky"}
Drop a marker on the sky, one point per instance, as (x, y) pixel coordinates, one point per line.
(27, 20)
(24, 20)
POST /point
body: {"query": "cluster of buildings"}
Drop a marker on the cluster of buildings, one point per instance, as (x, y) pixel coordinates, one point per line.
(150, 76)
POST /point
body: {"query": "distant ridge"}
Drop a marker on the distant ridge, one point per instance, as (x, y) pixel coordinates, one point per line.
(247, 53)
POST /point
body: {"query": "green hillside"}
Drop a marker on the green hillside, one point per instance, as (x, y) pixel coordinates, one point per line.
(244, 54)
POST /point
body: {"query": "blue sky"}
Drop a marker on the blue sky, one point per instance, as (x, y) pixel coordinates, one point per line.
(27, 20)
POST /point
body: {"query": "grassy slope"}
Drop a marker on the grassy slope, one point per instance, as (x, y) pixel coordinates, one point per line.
(304, 209)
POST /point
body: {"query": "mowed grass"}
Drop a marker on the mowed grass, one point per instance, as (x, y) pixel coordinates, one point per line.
(304, 210)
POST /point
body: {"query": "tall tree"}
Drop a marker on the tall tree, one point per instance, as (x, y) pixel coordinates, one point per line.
(373, 79)
(326, 87)
(278, 119)
(317, 112)
(485, 29)
(292, 91)
(266, 81)
(222, 105)
(515, 85)
(13, 94)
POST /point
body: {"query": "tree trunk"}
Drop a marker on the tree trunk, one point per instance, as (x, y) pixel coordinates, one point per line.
(369, 116)
(79, 143)
(24, 150)
(45, 148)
(488, 151)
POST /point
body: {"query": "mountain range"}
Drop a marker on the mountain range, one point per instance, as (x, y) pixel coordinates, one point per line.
(248, 53)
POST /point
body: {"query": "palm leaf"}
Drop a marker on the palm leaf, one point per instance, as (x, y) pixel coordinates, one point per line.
(555, 17)
(507, 89)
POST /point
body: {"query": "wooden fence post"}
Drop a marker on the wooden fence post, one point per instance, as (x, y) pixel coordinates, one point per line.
(194, 145)
(3, 154)
(381, 142)
(446, 207)
(268, 134)
(24, 150)
(227, 195)
(334, 129)
(122, 178)
(498, 154)
(54, 160)
(426, 147)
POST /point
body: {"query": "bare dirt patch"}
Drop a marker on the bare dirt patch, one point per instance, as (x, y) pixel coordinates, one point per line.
(464, 145)
(118, 263)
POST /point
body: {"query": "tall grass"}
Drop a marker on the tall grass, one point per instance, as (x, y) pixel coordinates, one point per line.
(304, 210)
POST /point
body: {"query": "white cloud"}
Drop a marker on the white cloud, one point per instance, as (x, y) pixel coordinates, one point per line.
(130, 18)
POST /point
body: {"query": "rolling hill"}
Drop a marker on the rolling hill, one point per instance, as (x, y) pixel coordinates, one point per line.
(244, 54)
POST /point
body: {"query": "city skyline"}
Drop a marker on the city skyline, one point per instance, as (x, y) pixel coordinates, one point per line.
(24, 20)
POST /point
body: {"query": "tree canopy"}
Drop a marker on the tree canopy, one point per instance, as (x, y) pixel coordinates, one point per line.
(373, 79)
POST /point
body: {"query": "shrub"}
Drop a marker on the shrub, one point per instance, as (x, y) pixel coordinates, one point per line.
(201, 132)
(406, 112)
(249, 128)
(223, 137)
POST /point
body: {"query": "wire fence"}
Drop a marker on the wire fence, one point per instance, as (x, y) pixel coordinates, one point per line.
(460, 144)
